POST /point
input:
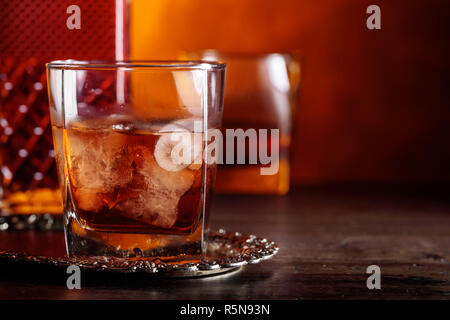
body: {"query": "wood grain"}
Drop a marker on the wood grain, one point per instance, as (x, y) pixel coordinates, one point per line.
(328, 237)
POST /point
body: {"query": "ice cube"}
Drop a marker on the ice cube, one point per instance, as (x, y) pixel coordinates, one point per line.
(88, 199)
(155, 197)
(98, 163)
(178, 147)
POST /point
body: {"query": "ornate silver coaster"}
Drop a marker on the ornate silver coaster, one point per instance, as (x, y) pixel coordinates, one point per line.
(226, 251)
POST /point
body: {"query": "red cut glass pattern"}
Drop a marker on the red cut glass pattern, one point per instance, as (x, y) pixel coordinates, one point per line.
(31, 34)
(27, 147)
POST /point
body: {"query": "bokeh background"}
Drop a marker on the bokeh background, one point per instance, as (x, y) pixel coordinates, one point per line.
(375, 104)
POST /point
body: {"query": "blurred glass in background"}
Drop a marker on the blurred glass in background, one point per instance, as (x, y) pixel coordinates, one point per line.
(261, 93)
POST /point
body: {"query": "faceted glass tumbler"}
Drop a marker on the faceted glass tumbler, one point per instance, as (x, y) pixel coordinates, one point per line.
(131, 146)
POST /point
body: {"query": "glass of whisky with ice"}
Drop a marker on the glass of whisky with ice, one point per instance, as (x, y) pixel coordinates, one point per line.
(132, 146)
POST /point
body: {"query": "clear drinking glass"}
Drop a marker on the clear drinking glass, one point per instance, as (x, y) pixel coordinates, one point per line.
(130, 141)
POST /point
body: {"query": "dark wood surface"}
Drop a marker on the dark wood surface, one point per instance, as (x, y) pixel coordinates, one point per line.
(328, 237)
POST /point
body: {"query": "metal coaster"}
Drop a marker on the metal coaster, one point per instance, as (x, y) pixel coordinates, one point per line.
(226, 251)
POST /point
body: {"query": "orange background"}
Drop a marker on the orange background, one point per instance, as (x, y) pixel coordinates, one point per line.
(375, 105)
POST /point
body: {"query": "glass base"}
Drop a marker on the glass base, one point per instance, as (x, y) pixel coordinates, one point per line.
(82, 242)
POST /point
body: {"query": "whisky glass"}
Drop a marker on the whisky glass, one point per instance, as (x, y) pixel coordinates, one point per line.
(262, 93)
(130, 140)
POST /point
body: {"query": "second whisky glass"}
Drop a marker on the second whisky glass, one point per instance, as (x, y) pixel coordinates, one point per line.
(262, 92)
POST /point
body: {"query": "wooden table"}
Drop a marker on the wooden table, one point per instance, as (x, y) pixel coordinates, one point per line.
(328, 237)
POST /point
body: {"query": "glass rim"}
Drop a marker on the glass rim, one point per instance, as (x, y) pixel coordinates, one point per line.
(135, 64)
